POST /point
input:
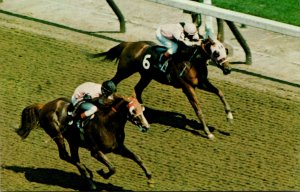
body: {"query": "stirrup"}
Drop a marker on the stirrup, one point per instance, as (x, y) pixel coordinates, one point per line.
(79, 124)
(164, 66)
(70, 122)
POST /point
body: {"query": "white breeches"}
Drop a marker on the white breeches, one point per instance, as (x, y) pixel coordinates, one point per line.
(171, 45)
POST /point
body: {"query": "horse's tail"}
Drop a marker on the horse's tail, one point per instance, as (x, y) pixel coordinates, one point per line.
(111, 54)
(29, 120)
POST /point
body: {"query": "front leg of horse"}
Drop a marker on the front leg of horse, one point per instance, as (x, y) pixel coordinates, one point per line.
(211, 88)
(103, 159)
(191, 95)
(125, 152)
(228, 112)
(205, 127)
(227, 108)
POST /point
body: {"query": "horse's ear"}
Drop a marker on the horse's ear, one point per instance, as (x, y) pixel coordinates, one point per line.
(211, 40)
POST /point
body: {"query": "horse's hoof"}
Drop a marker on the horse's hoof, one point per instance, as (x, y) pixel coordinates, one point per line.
(92, 185)
(229, 116)
(151, 183)
(101, 173)
(230, 121)
(211, 136)
(105, 175)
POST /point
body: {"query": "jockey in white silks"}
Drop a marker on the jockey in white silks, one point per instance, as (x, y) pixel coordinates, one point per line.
(89, 91)
(169, 35)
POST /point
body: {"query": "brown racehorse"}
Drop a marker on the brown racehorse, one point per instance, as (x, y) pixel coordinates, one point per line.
(188, 69)
(103, 134)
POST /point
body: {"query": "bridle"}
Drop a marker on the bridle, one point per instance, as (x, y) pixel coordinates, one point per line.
(130, 107)
(211, 56)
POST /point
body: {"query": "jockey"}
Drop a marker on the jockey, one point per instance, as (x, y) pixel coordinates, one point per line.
(170, 34)
(89, 91)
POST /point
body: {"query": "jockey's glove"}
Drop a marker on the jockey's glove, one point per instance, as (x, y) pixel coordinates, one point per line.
(87, 97)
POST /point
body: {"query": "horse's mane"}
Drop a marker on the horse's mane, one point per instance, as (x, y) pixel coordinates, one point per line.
(108, 107)
(184, 52)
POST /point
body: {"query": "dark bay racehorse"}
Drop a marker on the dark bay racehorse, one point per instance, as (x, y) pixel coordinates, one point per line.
(188, 69)
(103, 134)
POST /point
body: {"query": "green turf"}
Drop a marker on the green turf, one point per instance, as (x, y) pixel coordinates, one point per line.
(278, 10)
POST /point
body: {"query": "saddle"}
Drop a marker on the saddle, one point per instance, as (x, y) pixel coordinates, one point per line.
(151, 61)
(73, 117)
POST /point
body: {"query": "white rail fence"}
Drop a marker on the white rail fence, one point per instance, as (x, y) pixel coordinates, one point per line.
(225, 14)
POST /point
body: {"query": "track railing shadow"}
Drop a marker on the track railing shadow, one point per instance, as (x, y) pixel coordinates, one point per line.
(91, 33)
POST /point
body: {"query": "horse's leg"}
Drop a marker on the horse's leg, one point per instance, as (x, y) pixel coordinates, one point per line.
(207, 86)
(63, 154)
(52, 129)
(191, 95)
(140, 86)
(103, 159)
(125, 152)
(84, 171)
(124, 71)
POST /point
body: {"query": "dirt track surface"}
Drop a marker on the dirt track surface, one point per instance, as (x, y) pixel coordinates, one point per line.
(260, 151)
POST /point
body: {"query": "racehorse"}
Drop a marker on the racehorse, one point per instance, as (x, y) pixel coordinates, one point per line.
(103, 134)
(187, 68)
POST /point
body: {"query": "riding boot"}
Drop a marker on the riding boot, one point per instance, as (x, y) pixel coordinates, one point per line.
(82, 122)
(80, 125)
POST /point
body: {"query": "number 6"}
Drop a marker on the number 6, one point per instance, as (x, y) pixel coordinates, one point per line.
(146, 62)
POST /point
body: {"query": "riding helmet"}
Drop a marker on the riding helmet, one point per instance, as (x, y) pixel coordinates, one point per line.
(190, 28)
(108, 88)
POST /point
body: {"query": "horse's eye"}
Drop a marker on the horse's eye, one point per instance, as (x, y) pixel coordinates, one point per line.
(134, 111)
(216, 54)
(227, 51)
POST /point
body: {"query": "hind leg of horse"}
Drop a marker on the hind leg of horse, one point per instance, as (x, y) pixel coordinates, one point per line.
(103, 159)
(191, 95)
(207, 86)
(52, 131)
(139, 88)
(125, 152)
(123, 72)
(63, 154)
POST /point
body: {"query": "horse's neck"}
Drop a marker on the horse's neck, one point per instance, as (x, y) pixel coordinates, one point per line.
(185, 54)
(117, 110)
(205, 49)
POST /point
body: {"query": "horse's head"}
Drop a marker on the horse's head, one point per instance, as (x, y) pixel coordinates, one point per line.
(217, 53)
(136, 114)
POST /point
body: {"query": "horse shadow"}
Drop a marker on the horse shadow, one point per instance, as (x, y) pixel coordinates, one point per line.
(60, 178)
(178, 120)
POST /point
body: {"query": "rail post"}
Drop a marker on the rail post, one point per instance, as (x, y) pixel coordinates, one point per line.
(241, 41)
(118, 13)
(234, 30)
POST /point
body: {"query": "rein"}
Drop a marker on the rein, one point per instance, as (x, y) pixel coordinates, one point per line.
(203, 48)
(212, 58)
(185, 65)
(116, 108)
